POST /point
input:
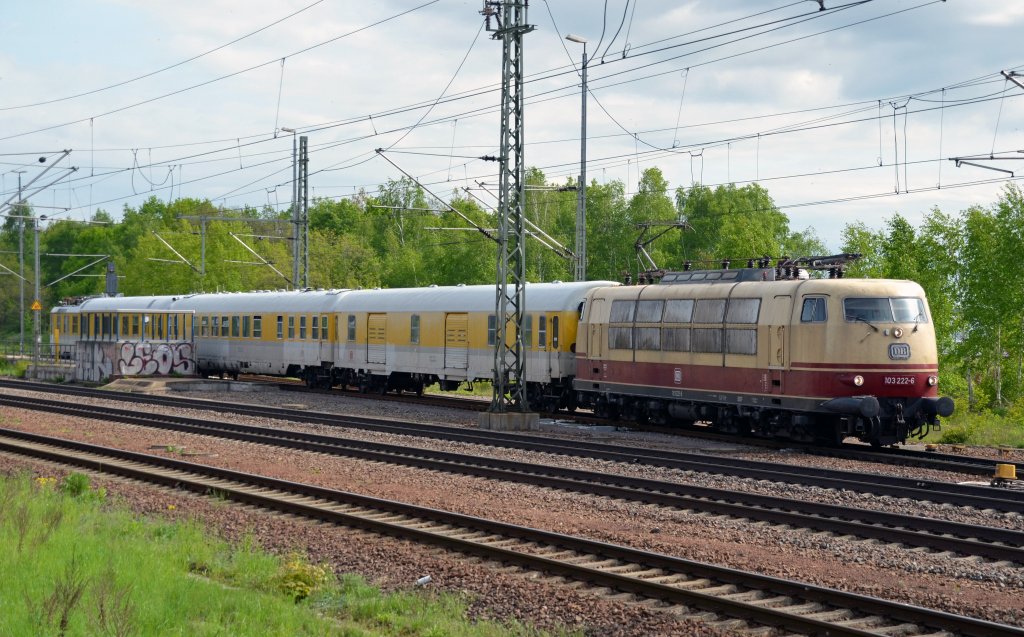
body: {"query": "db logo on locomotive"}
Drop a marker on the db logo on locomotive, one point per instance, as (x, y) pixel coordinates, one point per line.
(899, 351)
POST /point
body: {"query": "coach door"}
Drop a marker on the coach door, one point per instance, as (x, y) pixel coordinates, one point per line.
(377, 338)
(456, 341)
(780, 311)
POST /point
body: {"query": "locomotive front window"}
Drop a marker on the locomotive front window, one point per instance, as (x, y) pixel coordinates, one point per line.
(908, 310)
(873, 310)
(885, 310)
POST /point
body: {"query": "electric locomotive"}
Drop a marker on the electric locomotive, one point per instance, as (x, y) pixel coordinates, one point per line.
(808, 359)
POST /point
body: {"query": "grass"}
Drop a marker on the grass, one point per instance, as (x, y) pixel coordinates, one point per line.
(982, 429)
(17, 369)
(75, 565)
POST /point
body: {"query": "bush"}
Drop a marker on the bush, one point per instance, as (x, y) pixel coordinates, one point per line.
(957, 436)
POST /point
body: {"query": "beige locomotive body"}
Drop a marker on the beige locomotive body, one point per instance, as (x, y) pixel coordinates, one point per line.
(809, 359)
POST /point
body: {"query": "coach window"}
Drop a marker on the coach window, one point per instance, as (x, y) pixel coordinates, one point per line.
(124, 325)
(675, 339)
(95, 327)
(135, 325)
(323, 327)
(814, 310)
(492, 328)
(351, 327)
(257, 326)
(291, 327)
(204, 326)
(280, 327)
(414, 329)
(554, 333)
(302, 327)
(106, 326)
(246, 326)
(236, 326)
(225, 327)
(542, 332)
(314, 328)
(528, 331)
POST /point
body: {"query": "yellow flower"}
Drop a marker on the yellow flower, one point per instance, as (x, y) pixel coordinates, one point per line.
(171, 507)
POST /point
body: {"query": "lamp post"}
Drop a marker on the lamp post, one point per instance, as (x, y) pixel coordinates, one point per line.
(581, 190)
(36, 308)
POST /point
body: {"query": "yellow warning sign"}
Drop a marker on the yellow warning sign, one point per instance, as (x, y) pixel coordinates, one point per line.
(36, 305)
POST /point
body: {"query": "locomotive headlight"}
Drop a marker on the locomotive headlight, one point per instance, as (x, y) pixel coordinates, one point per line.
(858, 380)
(898, 332)
(932, 381)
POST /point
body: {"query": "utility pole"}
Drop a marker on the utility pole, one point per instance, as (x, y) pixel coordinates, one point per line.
(36, 303)
(21, 263)
(581, 190)
(506, 19)
(302, 229)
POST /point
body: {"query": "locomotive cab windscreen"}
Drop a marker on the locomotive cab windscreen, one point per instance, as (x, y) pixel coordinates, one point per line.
(885, 309)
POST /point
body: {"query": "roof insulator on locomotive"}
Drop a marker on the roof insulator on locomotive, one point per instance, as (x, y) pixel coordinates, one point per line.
(627, 278)
(687, 266)
(641, 278)
(840, 273)
(725, 264)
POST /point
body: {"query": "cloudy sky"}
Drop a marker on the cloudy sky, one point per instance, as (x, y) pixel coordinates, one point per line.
(834, 112)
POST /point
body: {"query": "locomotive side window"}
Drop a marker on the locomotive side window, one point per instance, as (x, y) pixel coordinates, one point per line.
(648, 338)
(679, 311)
(707, 341)
(741, 341)
(622, 311)
(743, 311)
(709, 311)
(814, 310)
(868, 309)
(675, 339)
(620, 337)
(649, 311)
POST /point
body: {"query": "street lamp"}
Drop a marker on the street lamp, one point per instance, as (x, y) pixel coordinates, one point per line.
(581, 190)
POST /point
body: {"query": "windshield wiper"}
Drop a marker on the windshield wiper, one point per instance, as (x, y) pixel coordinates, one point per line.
(864, 320)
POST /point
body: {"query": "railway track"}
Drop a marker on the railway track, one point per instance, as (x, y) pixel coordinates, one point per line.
(727, 597)
(937, 535)
(981, 497)
(955, 463)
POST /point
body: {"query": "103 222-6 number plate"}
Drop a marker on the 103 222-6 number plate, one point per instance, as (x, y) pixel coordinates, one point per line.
(899, 380)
